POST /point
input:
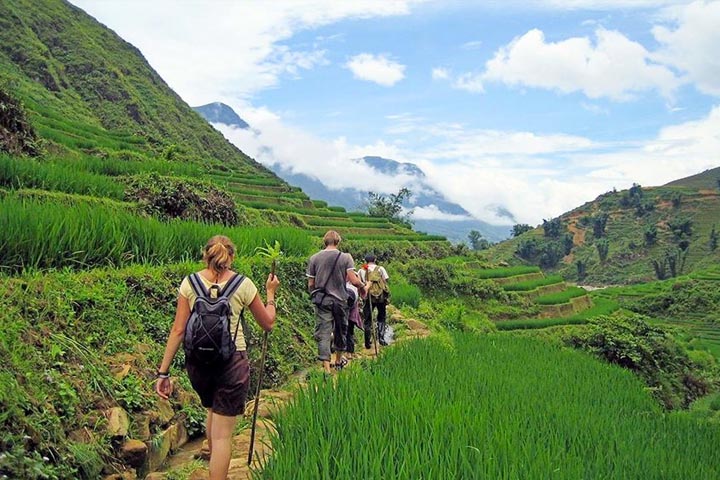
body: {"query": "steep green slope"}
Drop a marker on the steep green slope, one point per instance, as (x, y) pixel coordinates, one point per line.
(79, 79)
(630, 236)
(707, 180)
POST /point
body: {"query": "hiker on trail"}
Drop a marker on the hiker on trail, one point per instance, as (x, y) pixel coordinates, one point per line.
(327, 272)
(207, 321)
(354, 318)
(376, 278)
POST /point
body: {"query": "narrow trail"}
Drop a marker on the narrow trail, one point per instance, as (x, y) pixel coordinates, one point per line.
(270, 402)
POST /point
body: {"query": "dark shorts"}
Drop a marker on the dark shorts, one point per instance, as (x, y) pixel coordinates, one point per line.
(223, 388)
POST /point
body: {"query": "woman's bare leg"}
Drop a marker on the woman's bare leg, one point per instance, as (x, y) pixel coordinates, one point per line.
(221, 438)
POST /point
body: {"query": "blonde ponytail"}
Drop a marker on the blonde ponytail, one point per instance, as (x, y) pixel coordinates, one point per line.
(219, 253)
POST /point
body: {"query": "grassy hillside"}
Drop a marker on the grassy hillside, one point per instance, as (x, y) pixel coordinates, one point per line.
(629, 236)
(707, 180)
(80, 81)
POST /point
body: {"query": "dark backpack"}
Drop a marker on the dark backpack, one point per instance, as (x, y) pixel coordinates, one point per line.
(352, 297)
(207, 333)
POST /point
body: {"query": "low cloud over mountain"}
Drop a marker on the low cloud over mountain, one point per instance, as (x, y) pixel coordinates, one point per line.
(432, 212)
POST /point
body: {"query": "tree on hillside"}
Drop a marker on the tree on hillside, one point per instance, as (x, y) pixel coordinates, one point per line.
(581, 270)
(671, 264)
(599, 222)
(477, 242)
(633, 197)
(676, 199)
(681, 227)
(713, 243)
(603, 247)
(552, 227)
(650, 235)
(520, 228)
(390, 207)
(568, 243)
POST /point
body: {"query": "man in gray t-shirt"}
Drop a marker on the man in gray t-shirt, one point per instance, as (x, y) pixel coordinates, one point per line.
(327, 272)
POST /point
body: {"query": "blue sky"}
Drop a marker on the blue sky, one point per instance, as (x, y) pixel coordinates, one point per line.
(536, 106)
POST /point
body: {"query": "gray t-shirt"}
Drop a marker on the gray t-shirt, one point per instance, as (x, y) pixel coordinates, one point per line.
(320, 265)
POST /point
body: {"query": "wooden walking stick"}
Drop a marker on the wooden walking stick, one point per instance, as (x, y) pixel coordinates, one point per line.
(257, 398)
(274, 253)
(373, 326)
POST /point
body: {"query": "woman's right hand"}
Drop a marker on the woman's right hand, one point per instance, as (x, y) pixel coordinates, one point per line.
(272, 284)
(163, 387)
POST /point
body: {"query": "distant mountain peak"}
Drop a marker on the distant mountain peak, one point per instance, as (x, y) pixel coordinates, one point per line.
(392, 167)
(218, 112)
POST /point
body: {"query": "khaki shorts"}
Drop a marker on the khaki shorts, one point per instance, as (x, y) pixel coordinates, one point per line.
(222, 388)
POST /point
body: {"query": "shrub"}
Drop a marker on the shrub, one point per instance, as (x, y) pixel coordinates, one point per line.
(651, 352)
(680, 227)
(553, 227)
(603, 247)
(431, 277)
(599, 221)
(520, 228)
(650, 235)
(167, 197)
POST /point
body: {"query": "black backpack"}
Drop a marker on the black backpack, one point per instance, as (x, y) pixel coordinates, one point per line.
(207, 333)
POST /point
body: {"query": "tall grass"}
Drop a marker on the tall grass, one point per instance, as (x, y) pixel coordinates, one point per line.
(44, 235)
(560, 297)
(494, 407)
(533, 284)
(28, 173)
(502, 272)
(405, 294)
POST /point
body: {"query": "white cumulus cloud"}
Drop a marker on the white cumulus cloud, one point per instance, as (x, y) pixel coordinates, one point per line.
(691, 45)
(376, 68)
(611, 66)
(217, 50)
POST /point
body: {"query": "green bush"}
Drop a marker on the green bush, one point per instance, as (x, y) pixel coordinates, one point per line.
(167, 198)
(430, 276)
(682, 298)
(650, 351)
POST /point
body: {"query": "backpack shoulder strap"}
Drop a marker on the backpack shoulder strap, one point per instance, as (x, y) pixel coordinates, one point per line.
(198, 286)
(231, 286)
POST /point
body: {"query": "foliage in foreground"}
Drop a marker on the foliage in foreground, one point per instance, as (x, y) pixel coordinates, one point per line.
(650, 351)
(63, 334)
(487, 407)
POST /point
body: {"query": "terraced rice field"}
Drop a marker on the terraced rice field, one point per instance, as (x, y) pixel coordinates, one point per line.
(487, 407)
(559, 303)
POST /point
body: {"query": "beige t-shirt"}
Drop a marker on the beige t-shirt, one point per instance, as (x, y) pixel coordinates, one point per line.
(242, 297)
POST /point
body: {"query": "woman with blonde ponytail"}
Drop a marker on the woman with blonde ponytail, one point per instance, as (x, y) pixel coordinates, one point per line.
(222, 388)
